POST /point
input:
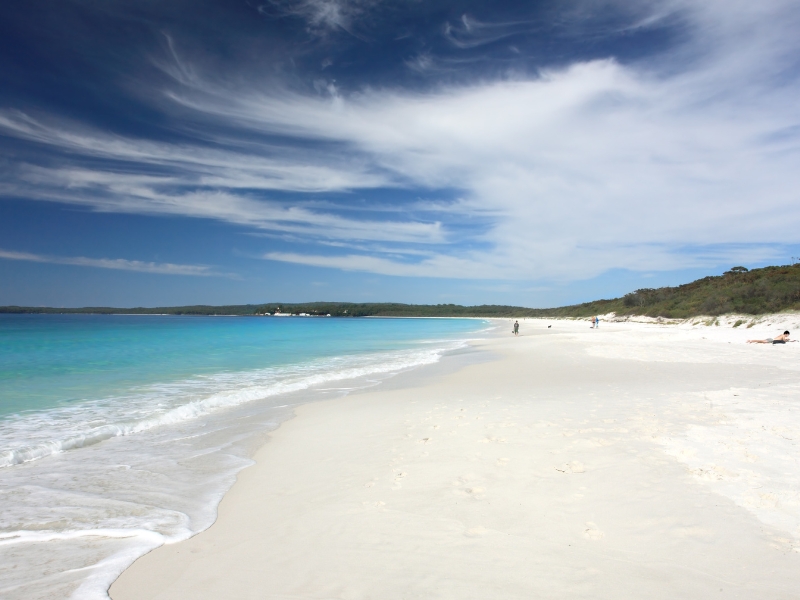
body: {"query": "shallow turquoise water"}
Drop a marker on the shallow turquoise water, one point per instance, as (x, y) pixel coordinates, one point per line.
(50, 360)
(119, 433)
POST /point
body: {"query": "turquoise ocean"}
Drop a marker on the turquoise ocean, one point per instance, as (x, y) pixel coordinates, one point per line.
(120, 433)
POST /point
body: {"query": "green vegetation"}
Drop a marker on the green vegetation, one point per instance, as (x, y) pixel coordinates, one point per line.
(738, 291)
(760, 291)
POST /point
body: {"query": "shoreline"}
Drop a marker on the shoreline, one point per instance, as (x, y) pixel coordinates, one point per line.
(352, 489)
(97, 484)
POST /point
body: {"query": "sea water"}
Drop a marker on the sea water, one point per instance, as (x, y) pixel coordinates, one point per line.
(121, 433)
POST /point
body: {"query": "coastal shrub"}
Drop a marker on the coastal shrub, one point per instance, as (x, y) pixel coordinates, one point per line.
(736, 270)
(738, 322)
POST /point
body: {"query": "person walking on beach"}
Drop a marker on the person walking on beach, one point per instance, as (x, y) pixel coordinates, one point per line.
(516, 328)
(596, 322)
(778, 339)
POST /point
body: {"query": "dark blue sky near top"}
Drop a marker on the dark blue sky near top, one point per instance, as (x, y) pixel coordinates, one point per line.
(93, 61)
(534, 153)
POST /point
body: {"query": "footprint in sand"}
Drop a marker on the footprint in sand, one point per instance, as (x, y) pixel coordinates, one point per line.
(571, 467)
(502, 462)
(476, 531)
(601, 442)
(592, 532)
(425, 440)
(398, 481)
(466, 489)
(472, 492)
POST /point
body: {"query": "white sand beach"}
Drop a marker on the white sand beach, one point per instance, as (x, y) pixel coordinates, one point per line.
(632, 461)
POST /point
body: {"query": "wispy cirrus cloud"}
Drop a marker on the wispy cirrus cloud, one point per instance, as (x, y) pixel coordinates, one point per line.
(474, 265)
(120, 264)
(322, 16)
(216, 161)
(597, 164)
(469, 32)
(147, 194)
(434, 266)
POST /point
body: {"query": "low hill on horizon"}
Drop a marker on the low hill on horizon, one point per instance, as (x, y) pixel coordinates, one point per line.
(739, 291)
(743, 291)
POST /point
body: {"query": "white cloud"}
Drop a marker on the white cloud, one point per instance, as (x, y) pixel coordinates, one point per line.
(474, 265)
(436, 266)
(593, 167)
(115, 192)
(230, 163)
(685, 160)
(120, 264)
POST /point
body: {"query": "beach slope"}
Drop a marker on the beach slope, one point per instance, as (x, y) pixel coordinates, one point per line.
(632, 461)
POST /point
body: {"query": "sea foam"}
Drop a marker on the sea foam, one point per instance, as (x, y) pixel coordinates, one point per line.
(91, 486)
(149, 406)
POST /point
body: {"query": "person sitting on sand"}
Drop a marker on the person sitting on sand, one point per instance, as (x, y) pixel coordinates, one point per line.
(778, 339)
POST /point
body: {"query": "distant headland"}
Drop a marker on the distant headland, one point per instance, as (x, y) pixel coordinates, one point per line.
(757, 291)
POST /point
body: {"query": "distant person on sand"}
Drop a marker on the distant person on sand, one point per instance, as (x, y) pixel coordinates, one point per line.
(778, 339)
(596, 322)
(516, 328)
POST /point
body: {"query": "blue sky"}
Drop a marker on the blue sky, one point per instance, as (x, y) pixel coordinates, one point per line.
(538, 153)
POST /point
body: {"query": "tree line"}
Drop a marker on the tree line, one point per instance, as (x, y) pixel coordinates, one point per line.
(756, 291)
